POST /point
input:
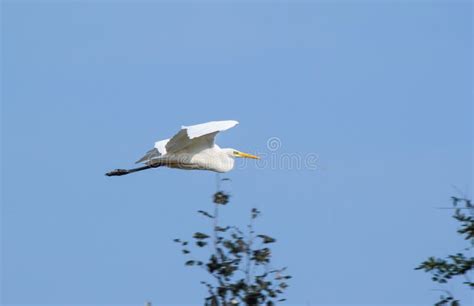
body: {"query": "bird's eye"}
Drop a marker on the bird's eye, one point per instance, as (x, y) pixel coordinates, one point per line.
(236, 152)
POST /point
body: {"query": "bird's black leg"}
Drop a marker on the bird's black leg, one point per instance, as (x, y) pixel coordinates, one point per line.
(119, 172)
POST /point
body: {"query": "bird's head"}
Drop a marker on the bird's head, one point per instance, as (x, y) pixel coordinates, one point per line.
(235, 153)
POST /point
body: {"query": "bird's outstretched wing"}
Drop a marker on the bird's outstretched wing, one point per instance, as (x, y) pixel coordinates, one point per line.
(199, 135)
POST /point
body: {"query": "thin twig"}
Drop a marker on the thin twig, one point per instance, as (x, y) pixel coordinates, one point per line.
(249, 250)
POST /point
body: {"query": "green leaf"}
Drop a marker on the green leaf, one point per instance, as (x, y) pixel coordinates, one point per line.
(221, 198)
(262, 255)
(255, 213)
(267, 239)
(221, 229)
(199, 235)
(200, 243)
(205, 213)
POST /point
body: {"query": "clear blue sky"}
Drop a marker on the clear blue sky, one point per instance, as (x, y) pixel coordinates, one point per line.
(380, 91)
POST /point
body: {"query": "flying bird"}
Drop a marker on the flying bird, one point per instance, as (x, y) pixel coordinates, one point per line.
(192, 148)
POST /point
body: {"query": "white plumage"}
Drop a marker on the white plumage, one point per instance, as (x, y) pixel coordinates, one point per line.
(192, 147)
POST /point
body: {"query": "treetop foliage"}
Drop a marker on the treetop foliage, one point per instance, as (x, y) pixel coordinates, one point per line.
(239, 262)
(459, 264)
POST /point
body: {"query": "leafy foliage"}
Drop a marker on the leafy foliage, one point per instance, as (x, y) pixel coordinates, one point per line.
(239, 263)
(457, 265)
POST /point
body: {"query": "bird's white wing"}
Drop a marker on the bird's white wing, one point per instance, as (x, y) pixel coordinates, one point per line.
(198, 135)
(160, 146)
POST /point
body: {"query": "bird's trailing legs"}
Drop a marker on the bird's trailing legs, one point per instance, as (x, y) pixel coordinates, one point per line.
(119, 172)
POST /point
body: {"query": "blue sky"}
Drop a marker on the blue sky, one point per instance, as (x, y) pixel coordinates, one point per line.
(380, 91)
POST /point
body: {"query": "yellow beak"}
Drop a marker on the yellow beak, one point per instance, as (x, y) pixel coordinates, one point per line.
(246, 155)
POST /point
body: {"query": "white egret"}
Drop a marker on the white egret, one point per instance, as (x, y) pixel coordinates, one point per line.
(192, 147)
